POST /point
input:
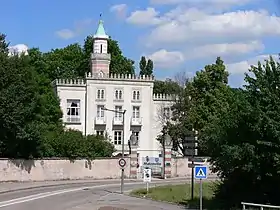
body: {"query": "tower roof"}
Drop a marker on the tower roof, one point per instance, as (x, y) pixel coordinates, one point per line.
(100, 32)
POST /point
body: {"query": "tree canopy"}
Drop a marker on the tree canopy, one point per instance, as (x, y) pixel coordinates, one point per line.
(238, 129)
(146, 67)
(30, 122)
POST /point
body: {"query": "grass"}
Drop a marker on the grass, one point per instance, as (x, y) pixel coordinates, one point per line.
(181, 194)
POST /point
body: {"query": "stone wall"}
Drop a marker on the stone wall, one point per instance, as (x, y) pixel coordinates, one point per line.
(180, 168)
(59, 169)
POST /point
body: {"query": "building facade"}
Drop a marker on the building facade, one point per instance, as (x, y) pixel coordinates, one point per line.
(93, 105)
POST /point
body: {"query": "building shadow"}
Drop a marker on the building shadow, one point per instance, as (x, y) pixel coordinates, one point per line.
(23, 164)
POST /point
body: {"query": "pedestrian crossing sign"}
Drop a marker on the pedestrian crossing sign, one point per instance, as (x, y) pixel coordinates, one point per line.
(200, 172)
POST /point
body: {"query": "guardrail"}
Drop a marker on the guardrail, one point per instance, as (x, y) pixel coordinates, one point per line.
(261, 206)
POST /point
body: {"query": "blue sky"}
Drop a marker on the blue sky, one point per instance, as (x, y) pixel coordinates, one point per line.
(179, 35)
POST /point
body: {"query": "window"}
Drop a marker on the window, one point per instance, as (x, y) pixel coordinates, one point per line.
(118, 94)
(117, 137)
(136, 133)
(100, 94)
(118, 112)
(135, 112)
(166, 112)
(101, 48)
(100, 133)
(136, 95)
(100, 111)
(73, 110)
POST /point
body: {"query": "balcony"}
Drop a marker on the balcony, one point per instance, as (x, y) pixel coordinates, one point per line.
(117, 121)
(100, 121)
(136, 121)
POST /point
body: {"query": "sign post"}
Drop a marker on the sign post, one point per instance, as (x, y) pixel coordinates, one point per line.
(200, 172)
(147, 178)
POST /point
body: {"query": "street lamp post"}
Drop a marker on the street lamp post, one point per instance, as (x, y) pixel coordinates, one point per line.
(123, 119)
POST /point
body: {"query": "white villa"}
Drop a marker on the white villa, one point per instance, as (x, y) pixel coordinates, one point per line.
(83, 101)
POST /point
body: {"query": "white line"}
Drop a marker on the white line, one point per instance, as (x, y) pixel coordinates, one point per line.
(58, 192)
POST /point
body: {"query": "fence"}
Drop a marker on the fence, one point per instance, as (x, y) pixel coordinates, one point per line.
(261, 206)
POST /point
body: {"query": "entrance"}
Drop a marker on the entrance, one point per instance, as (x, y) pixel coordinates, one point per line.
(154, 163)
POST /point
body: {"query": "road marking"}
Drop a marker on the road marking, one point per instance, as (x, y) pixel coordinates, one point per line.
(59, 192)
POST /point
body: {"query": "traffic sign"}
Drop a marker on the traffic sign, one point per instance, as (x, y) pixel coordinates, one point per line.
(122, 162)
(147, 175)
(200, 172)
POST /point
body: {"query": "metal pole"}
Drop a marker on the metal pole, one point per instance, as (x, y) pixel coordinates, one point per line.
(163, 158)
(192, 180)
(200, 193)
(122, 174)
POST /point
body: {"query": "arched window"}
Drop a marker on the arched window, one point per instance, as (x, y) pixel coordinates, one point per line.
(138, 95)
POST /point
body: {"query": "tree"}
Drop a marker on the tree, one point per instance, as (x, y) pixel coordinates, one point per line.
(4, 46)
(197, 101)
(146, 67)
(20, 109)
(243, 141)
(119, 63)
(166, 87)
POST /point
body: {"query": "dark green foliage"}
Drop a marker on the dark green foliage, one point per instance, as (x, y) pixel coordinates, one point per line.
(3, 44)
(20, 108)
(238, 129)
(146, 67)
(30, 115)
(166, 87)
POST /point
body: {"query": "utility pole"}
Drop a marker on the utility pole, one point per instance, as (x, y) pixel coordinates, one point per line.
(123, 120)
(122, 175)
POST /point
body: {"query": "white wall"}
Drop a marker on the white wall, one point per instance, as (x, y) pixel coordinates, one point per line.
(72, 92)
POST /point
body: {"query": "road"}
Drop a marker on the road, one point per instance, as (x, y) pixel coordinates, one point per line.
(84, 196)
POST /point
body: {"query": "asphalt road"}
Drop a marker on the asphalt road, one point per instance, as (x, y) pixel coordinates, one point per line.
(87, 196)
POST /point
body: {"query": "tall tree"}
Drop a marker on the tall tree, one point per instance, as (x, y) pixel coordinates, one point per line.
(244, 140)
(119, 63)
(20, 109)
(3, 44)
(198, 101)
(146, 67)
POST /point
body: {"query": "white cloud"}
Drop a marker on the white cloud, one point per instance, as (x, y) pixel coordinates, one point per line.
(18, 49)
(217, 2)
(166, 59)
(225, 49)
(243, 66)
(238, 25)
(66, 33)
(78, 28)
(119, 9)
(144, 17)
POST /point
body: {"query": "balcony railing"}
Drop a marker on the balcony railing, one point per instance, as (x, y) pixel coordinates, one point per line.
(117, 121)
(100, 121)
(136, 121)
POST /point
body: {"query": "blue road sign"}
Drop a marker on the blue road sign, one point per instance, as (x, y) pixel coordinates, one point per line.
(200, 172)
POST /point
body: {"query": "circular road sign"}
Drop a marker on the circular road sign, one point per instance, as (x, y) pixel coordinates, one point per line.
(122, 163)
